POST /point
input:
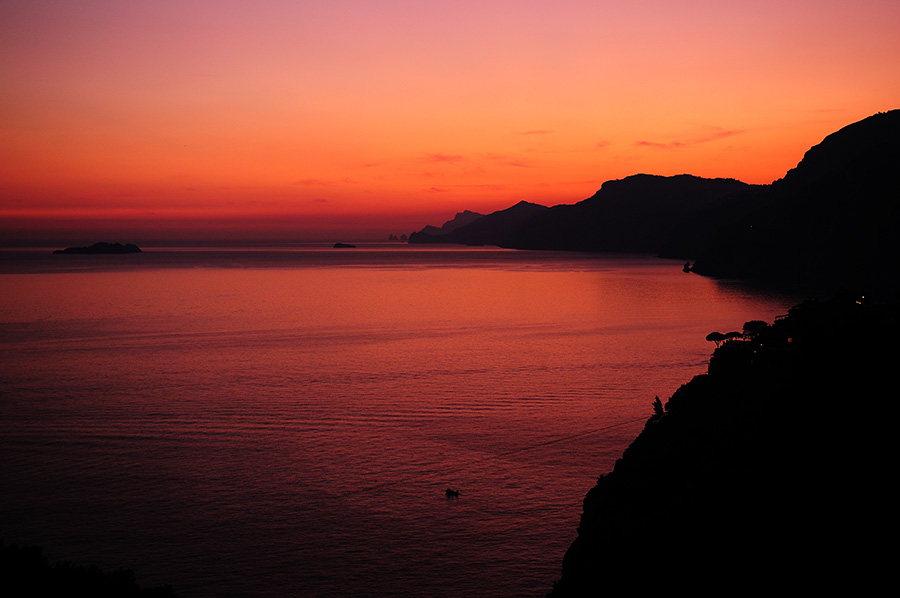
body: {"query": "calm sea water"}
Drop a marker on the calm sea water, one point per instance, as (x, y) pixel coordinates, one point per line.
(285, 422)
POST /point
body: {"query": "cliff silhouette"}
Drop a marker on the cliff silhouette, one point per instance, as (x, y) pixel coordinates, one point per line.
(26, 571)
(493, 229)
(637, 214)
(460, 219)
(773, 470)
(832, 221)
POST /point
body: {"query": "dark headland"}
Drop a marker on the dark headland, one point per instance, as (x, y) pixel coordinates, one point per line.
(774, 470)
(26, 571)
(102, 249)
(832, 221)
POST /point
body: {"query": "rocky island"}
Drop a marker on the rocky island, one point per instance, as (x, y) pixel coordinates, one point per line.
(102, 248)
(772, 470)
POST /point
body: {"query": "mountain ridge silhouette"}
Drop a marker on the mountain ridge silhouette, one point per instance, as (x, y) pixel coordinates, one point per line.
(831, 220)
(835, 217)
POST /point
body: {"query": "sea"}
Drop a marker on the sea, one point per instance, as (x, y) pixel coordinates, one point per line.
(285, 421)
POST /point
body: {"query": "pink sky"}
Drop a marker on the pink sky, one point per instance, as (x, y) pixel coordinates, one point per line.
(306, 120)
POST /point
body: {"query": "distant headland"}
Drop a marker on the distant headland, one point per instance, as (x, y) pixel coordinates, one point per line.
(833, 220)
(102, 248)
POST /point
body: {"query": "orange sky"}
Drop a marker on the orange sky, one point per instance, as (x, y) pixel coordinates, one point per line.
(305, 120)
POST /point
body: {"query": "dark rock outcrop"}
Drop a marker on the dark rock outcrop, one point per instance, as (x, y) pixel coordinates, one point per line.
(696, 231)
(461, 219)
(831, 222)
(493, 229)
(637, 214)
(102, 248)
(26, 571)
(771, 471)
(834, 219)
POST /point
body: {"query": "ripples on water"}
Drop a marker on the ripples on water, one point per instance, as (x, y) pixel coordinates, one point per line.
(272, 423)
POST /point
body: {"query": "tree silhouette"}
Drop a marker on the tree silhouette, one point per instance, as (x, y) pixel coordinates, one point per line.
(754, 328)
(715, 337)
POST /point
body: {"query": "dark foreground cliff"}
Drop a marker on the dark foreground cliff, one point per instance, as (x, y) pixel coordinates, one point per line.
(26, 571)
(773, 471)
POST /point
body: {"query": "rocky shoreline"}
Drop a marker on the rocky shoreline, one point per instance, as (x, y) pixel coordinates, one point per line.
(770, 471)
(26, 571)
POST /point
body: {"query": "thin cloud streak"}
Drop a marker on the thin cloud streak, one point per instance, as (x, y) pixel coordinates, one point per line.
(440, 158)
(716, 135)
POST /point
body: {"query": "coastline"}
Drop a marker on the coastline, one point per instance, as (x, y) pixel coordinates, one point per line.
(768, 471)
(24, 566)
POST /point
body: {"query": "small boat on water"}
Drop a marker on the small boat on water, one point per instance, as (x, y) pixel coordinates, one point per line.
(451, 493)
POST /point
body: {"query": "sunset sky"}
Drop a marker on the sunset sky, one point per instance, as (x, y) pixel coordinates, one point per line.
(293, 120)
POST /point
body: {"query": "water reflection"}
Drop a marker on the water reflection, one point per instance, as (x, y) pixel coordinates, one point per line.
(266, 422)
